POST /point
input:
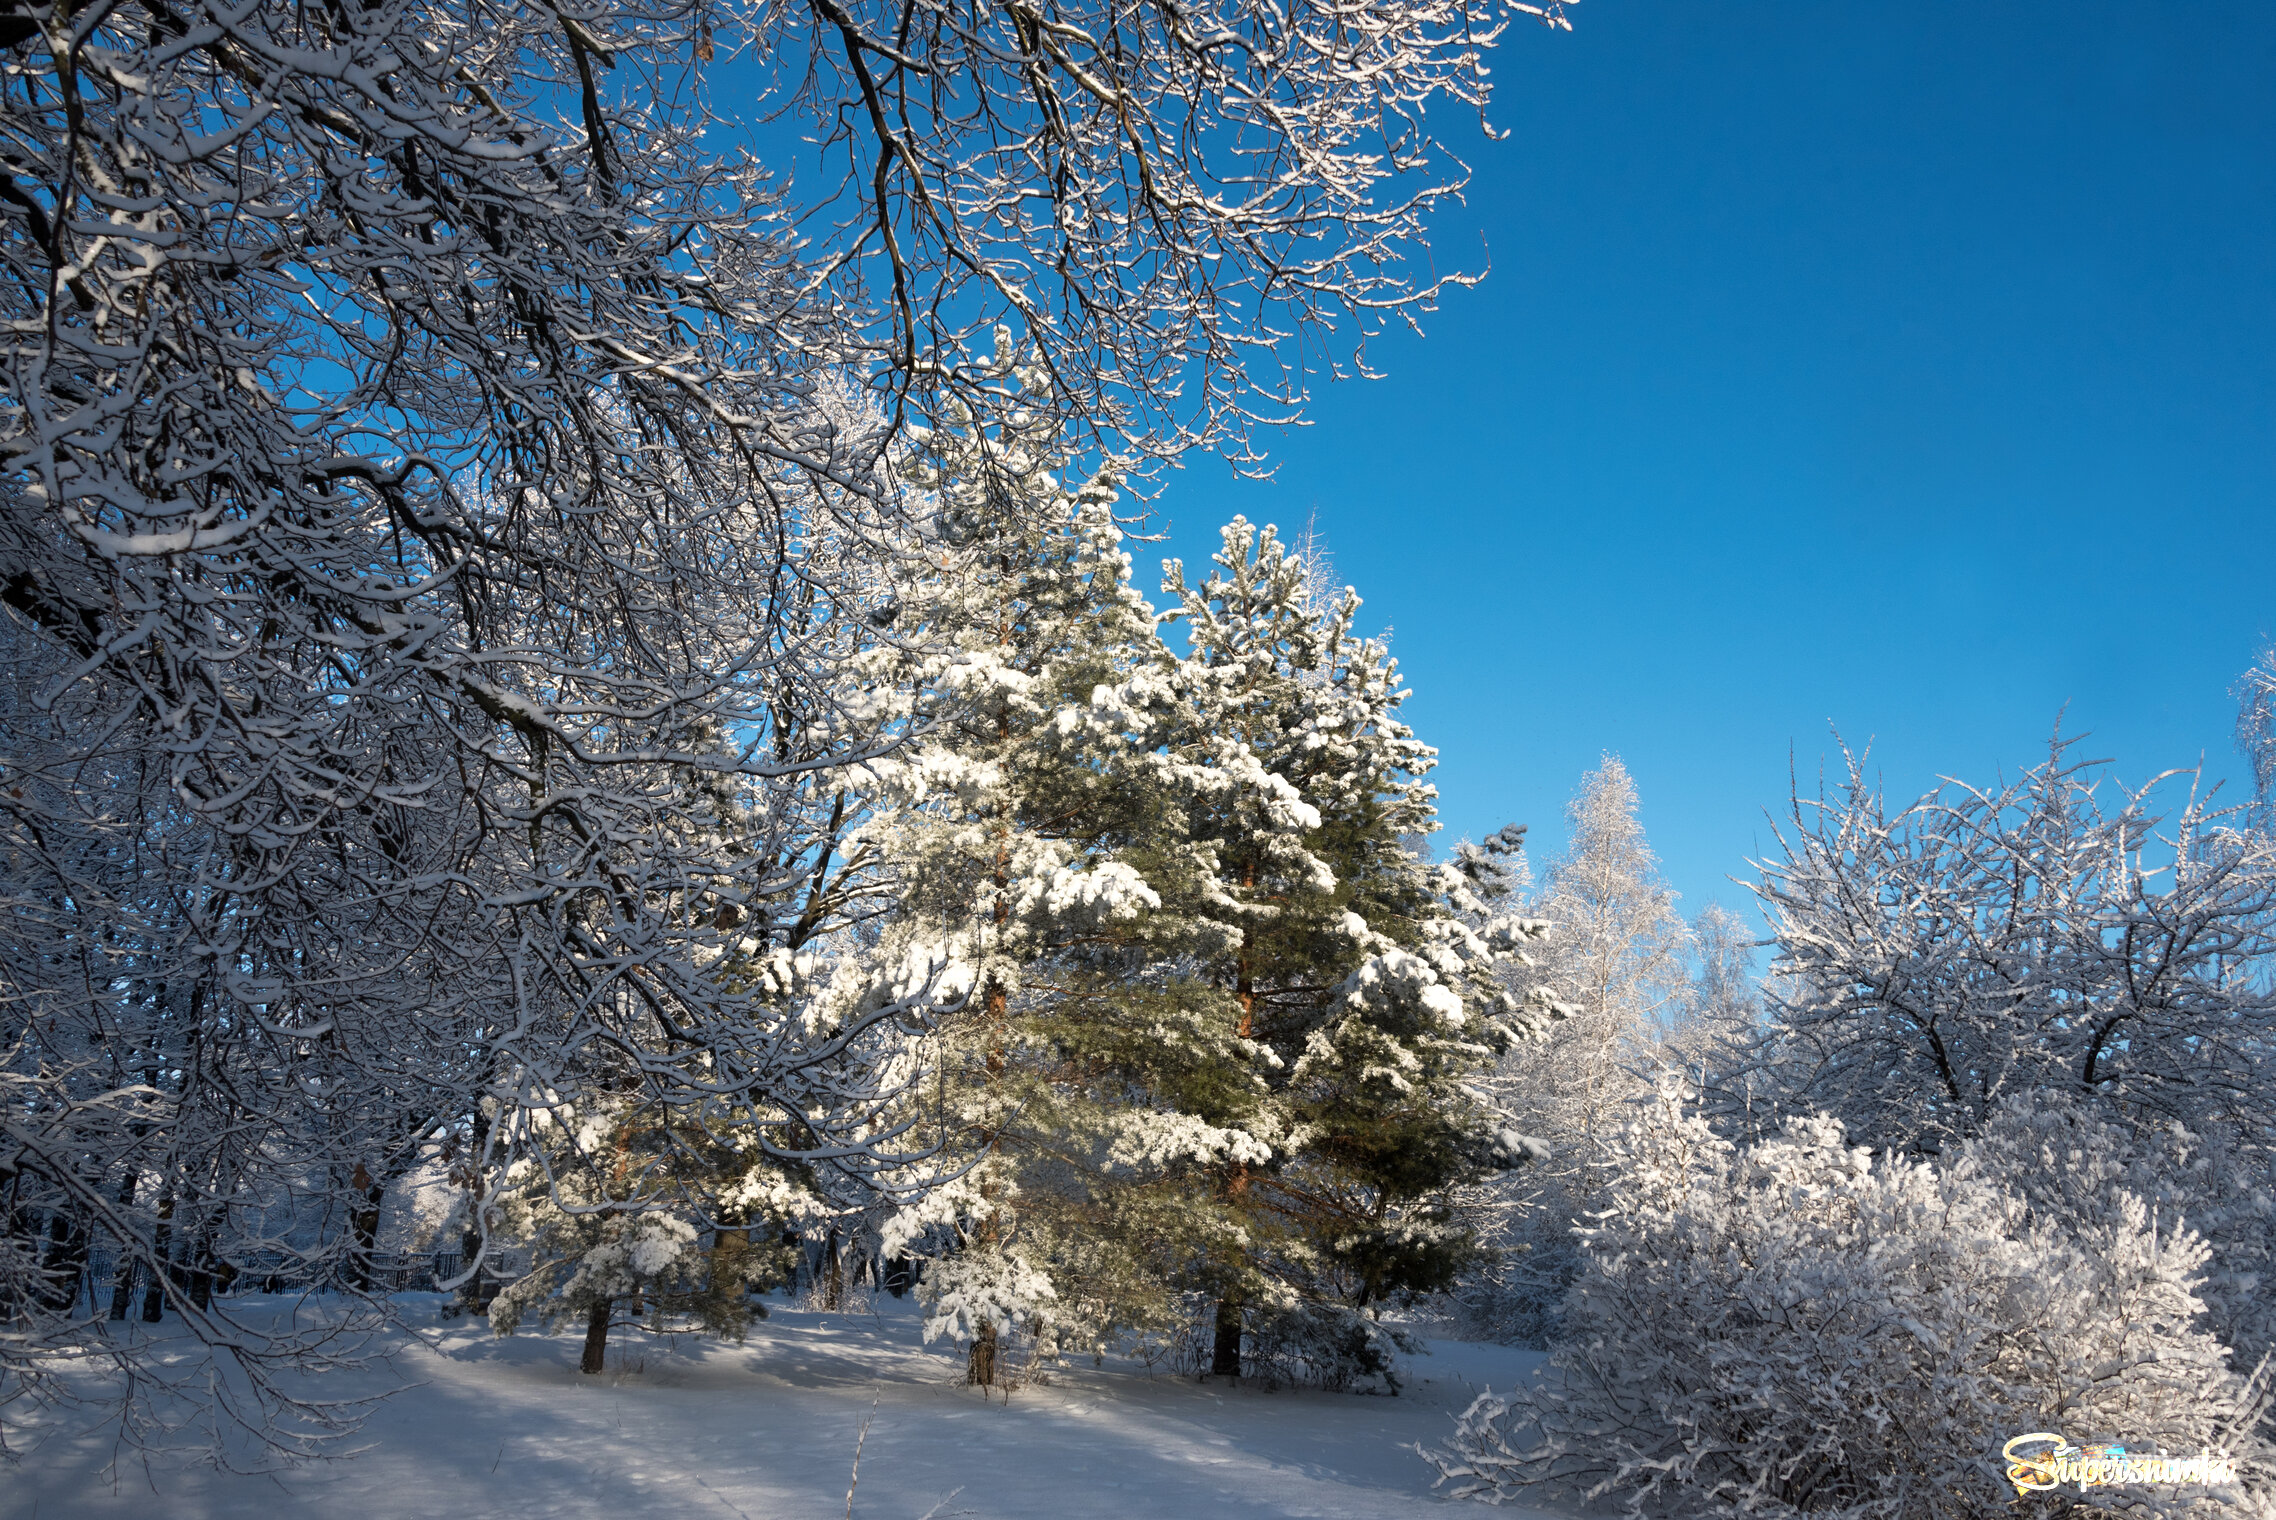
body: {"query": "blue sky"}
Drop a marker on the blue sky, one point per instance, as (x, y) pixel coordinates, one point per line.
(1909, 369)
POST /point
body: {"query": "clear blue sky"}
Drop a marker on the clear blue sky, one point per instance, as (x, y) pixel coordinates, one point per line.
(1904, 368)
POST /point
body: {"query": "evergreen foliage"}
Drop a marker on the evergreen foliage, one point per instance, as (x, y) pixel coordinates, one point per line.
(615, 1214)
(1204, 1017)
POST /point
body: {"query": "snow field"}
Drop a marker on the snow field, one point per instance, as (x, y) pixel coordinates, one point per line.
(767, 1431)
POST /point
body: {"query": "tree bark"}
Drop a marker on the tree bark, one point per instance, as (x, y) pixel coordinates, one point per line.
(205, 1270)
(596, 1338)
(470, 1299)
(980, 1361)
(1225, 1355)
(15, 1223)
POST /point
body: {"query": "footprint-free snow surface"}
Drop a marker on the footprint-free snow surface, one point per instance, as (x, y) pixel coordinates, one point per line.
(767, 1431)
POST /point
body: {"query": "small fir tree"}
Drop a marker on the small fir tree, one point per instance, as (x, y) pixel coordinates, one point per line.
(625, 1214)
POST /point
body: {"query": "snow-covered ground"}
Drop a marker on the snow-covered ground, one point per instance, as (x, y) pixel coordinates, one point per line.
(767, 1431)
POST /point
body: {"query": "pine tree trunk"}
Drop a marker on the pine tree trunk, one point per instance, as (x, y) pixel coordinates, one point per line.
(596, 1338)
(365, 1223)
(15, 1224)
(1225, 1353)
(470, 1299)
(470, 1255)
(980, 1361)
(833, 1274)
(122, 1288)
(1225, 1356)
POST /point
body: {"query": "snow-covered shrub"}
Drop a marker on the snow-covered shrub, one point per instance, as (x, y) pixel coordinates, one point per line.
(2071, 1162)
(1801, 1327)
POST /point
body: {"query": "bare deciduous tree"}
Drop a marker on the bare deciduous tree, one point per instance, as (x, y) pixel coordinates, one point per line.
(1174, 204)
(446, 578)
(2052, 932)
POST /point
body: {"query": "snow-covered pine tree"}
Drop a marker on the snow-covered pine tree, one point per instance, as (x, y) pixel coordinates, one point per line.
(670, 1208)
(1213, 1013)
(669, 1214)
(1005, 825)
(1361, 983)
(630, 1210)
